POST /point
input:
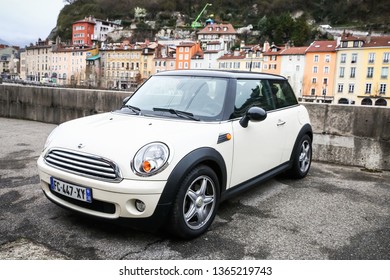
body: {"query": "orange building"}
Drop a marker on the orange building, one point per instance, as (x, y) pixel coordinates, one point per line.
(272, 60)
(318, 79)
(184, 52)
(82, 32)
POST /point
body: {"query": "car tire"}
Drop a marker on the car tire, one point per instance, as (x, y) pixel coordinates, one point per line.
(196, 203)
(301, 158)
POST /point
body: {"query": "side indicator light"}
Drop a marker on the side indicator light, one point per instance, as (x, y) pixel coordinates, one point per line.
(224, 137)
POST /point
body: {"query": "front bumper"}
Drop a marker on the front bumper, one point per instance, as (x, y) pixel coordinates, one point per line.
(111, 200)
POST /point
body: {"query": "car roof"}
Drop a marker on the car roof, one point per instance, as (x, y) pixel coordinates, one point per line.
(221, 74)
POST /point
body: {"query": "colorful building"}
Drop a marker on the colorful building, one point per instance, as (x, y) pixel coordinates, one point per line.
(184, 52)
(271, 59)
(83, 32)
(319, 70)
(362, 70)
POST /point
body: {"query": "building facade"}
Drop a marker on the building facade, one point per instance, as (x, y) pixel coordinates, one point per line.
(320, 64)
(83, 32)
(223, 32)
(184, 53)
(362, 70)
(293, 66)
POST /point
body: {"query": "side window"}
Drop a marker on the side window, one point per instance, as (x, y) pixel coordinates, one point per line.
(282, 94)
(251, 93)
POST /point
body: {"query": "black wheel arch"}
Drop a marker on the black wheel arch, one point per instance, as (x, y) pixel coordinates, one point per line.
(207, 156)
(305, 130)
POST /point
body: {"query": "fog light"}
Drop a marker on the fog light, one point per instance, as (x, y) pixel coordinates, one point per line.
(140, 206)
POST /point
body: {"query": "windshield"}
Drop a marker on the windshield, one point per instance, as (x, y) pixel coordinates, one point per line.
(181, 96)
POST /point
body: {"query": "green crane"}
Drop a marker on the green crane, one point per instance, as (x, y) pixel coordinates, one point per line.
(195, 24)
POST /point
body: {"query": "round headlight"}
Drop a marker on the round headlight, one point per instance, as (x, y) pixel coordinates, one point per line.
(150, 159)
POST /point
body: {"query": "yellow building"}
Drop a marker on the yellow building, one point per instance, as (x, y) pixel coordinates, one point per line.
(125, 66)
(362, 70)
(318, 78)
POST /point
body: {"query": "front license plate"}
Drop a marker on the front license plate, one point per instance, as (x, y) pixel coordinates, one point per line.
(73, 191)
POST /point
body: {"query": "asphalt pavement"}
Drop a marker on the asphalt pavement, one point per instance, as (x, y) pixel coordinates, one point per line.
(336, 212)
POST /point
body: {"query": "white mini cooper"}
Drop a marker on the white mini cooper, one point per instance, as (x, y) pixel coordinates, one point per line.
(180, 145)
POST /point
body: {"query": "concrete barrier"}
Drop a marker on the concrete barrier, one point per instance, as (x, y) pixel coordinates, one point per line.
(349, 135)
(55, 105)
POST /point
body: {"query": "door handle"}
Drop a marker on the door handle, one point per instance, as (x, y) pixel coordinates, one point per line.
(280, 122)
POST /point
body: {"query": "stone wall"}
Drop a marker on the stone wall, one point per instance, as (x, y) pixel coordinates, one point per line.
(350, 135)
(55, 105)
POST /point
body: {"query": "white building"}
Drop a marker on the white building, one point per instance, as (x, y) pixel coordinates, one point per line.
(293, 67)
(103, 27)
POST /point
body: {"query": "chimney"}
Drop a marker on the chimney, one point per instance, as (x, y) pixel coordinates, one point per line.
(368, 38)
(266, 46)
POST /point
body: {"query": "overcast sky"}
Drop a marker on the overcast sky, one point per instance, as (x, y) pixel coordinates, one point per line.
(24, 21)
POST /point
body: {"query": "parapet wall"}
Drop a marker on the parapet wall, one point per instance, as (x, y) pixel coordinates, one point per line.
(55, 105)
(349, 135)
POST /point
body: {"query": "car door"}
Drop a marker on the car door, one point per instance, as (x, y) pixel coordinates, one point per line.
(287, 110)
(259, 147)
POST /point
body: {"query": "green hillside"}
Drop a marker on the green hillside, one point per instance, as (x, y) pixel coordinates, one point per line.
(276, 19)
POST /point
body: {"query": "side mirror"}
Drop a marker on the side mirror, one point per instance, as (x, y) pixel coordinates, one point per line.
(124, 101)
(254, 114)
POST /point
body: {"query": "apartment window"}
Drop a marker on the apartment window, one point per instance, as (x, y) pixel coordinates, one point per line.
(297, 68)
(315, 69)
(314, 81)
(326, 70)
(368, 88)
(353, 72)
(325, 81)
(371, 57)
(382, 89)
(316, 58)
(370, 72)
(185, 65)
(327, 58)
(313, 91)
(351, 88)
(341, 72)
(384, 72)
(324, 91)
(340, 88)
(386, 57)
(343, 58)
(354, 58)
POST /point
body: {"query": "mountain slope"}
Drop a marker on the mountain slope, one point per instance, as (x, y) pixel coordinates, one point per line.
(367, 14)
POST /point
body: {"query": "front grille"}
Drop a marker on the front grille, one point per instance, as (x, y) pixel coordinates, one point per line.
(83, 164)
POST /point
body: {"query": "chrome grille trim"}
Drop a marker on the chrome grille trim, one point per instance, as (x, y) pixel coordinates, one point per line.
(83, 164)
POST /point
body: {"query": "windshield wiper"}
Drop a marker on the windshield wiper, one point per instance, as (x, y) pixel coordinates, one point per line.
(133, 108)
(182, 114)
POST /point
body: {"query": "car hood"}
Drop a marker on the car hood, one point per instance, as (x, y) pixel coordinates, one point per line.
(118, 137)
